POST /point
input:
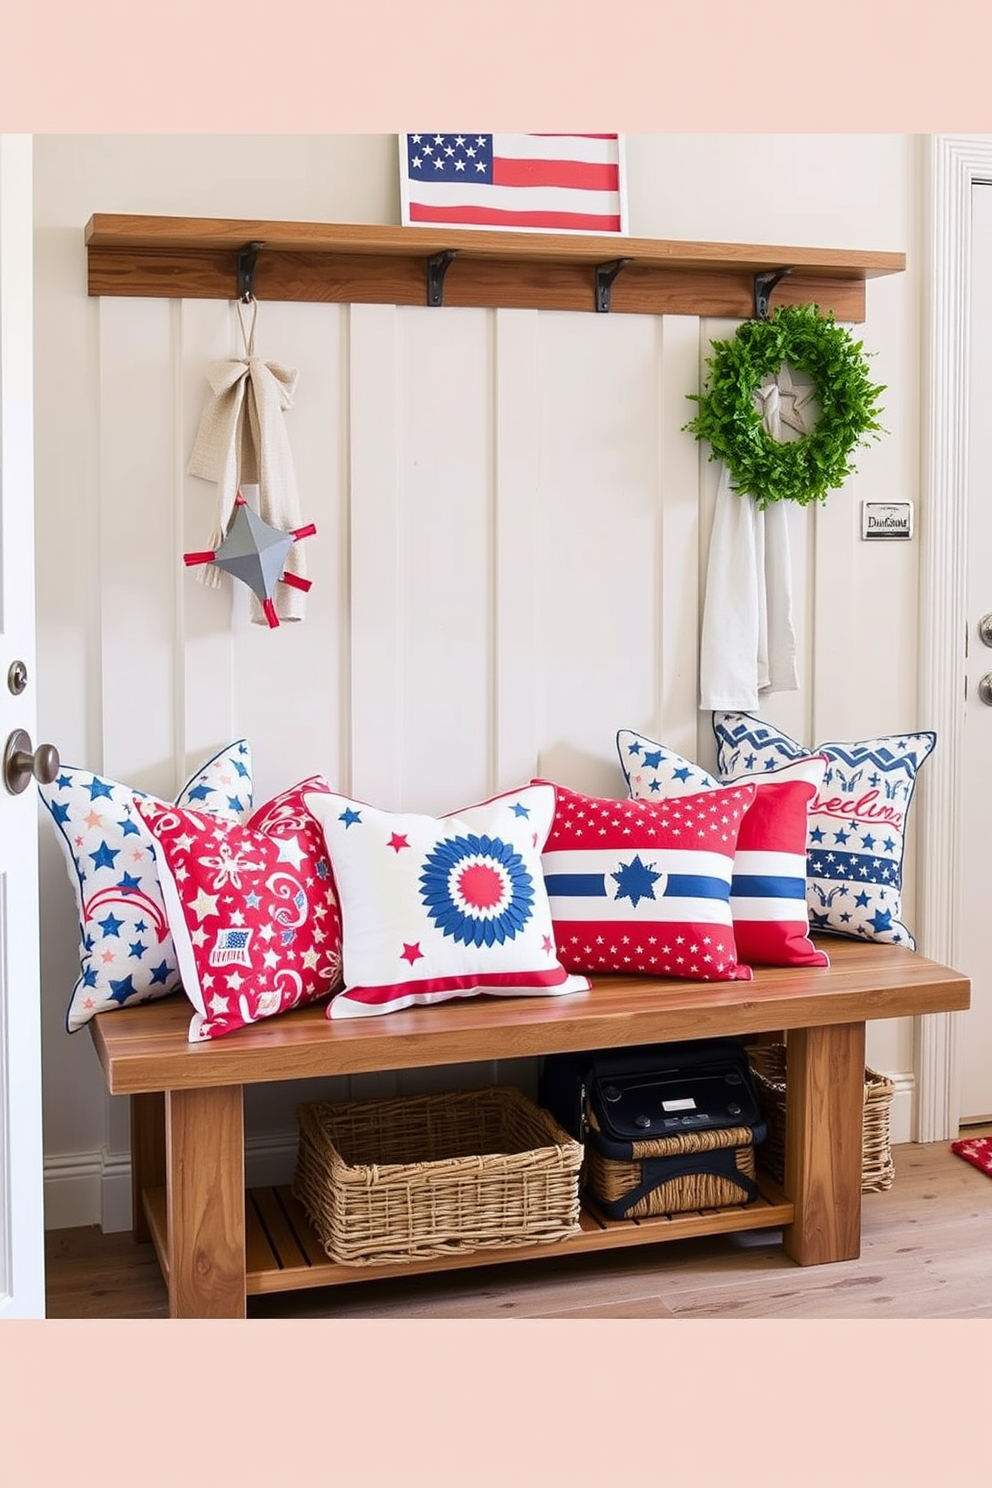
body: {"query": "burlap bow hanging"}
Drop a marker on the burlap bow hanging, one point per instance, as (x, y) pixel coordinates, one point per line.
(242, 441)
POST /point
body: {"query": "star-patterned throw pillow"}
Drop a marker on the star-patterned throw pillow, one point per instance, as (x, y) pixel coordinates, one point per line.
(252, 909)
(857, 821)
(435, 908)
(644, 886)
(768, 889)
(126, 953)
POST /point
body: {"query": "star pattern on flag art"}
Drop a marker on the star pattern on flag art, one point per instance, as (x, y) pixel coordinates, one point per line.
(644, 886)
(442, 907)
(857, 820)
(252, 908)
(127, 954)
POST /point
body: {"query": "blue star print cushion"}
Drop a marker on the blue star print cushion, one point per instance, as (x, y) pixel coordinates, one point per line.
(857, 821)
(126, 952)
(434, 908)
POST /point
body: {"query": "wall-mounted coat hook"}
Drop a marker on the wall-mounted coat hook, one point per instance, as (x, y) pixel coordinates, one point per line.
(437, 267)
(247, 258)
(763, 286)
(605, 275)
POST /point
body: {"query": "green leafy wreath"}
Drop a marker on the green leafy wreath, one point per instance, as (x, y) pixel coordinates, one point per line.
(817, 462)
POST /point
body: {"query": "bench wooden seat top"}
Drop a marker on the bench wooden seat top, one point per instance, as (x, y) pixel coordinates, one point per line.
(188, 1098)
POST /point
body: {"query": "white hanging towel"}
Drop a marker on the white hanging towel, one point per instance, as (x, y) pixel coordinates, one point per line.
(748, 642)
(242, 440)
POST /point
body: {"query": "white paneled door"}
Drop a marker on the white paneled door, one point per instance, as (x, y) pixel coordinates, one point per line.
(22, 1276)
(975, 1035)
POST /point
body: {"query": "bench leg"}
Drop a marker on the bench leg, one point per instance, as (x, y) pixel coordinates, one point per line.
(824, 1121)
(204, 1139)
(147, 1156)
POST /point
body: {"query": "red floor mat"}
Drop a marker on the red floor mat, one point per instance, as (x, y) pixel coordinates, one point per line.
(976, 1150)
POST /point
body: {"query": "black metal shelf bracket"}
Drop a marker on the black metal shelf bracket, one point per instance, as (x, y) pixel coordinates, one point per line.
(437, 267)
(605, 275)
(247, 258)
(763, 286)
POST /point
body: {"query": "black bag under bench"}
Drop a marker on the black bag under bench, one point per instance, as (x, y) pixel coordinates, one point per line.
(668, 1128)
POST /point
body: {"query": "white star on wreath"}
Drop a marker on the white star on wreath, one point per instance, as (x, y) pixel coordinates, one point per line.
(780, 398)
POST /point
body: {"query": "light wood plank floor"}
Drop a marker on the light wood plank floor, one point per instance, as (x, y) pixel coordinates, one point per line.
(926, 1253)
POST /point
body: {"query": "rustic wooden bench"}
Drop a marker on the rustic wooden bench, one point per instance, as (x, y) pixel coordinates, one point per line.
(218, 1245)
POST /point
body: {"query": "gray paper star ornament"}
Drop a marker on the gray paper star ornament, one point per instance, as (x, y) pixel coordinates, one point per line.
(254, 552)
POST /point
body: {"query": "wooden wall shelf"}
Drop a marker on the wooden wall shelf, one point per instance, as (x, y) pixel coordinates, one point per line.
(197, 258)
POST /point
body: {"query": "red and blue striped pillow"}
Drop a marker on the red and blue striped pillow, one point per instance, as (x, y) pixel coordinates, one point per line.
(768, 894)
(644, 886)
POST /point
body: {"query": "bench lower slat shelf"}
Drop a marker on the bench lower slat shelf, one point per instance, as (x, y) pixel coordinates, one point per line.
(283, 1253)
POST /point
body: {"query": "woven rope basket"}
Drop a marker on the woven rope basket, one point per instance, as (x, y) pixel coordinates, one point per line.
(611, 1179)
(401, 1179)
(768, 1063)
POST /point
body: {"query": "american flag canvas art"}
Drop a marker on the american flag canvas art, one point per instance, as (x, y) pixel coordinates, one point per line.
(529, 182)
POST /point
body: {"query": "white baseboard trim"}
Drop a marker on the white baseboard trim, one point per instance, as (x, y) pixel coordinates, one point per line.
(901, 1114)
(94, 1188)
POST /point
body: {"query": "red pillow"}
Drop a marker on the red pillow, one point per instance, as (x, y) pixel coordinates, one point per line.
(252, 909)
(644, 886)
(768, 892)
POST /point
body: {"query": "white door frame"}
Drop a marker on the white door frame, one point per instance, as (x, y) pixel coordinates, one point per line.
(22, 1255)
(956, 162)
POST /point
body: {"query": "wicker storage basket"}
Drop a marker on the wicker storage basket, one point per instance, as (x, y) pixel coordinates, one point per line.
(386, 1181)
(768, 1063)
(610, 1181)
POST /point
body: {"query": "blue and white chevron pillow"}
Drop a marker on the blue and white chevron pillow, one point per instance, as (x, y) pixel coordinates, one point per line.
(857, 822)
(126, 951)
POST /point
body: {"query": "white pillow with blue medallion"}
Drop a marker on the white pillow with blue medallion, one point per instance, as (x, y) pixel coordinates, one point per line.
(857, 821)
(434, 908)
(126, 952)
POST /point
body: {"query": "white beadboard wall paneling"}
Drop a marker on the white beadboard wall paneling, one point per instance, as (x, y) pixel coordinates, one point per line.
(597, 521)
(676, 720)
(288, 681)
(208, 332)
(447, 544)
(376, 557)
(707, 479)
(517, 572)
(137, 589)
(836, 645)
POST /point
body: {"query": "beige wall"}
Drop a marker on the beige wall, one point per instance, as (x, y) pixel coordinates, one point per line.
(512, 526)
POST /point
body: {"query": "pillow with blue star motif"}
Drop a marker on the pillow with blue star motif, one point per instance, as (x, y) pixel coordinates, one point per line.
(768, 889)
(644, 886)
(252, 909)
(126, 952)
(434, 908)
(857, 821)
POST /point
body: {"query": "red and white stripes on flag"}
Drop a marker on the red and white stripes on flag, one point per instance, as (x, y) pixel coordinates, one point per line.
(537, 182)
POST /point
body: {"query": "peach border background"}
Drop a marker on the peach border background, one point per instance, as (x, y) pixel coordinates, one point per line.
(462, 1404)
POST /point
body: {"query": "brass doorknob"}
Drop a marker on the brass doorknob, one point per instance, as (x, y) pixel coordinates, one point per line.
(21, 762)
